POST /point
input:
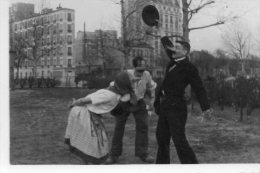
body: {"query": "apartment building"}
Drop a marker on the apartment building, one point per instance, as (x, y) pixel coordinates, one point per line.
(55, 44)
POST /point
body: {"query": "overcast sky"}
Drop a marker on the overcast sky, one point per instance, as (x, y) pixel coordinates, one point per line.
(105, 14)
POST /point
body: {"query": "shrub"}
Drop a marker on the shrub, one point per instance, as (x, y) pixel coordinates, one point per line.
(22, 82)
(99, 82)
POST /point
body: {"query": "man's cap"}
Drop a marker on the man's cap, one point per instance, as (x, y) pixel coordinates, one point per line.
(185, 44)
(150, 15)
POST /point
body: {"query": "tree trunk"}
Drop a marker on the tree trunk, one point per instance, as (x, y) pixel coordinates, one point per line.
(243, 67)
(185, 19)
(34, 70)
(12, 81)
(17, 74)
(241, 111)
(124, 36)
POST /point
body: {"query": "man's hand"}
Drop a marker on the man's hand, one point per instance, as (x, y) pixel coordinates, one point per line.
(133, 99)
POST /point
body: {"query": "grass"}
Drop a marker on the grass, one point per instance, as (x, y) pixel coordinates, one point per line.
(38, 119)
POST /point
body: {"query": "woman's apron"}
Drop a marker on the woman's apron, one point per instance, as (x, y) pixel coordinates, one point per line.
(86, 132)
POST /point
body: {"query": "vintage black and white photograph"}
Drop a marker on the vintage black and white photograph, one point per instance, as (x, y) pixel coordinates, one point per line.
(132, 82)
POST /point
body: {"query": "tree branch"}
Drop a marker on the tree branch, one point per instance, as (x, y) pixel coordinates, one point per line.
(190, 17)
(207, 26)
(201, 6)
(189, 3)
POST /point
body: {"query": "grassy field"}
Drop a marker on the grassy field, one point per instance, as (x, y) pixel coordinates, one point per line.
(38, 120)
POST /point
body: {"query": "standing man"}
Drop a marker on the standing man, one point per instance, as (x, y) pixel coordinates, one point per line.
(142, 83)
(170, 102)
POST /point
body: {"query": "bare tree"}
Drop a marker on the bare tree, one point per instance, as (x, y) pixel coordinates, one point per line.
(106, 42)
(33, 44)
(192, 7)
(237, 39)
(19, 49)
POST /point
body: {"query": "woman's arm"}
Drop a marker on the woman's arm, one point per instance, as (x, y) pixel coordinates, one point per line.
(80, 102)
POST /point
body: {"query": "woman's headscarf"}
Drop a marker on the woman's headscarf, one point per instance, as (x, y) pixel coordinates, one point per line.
(122, 84)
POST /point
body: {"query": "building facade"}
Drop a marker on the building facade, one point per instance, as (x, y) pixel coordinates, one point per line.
(170, 18)
(54, 42)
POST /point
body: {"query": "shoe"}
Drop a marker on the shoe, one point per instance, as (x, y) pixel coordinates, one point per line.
(111, 160)
(147, 159)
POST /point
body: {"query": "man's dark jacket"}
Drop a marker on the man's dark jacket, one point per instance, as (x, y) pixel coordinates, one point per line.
(178, 76)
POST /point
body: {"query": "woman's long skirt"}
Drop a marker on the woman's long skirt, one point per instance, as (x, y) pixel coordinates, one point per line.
(86, 135)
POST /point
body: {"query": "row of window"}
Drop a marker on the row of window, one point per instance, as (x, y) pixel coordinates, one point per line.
(140, 52)
(46, 30)
(49, 62)
(42, 21)
(46, 52)
(56, 40)
(26, 74)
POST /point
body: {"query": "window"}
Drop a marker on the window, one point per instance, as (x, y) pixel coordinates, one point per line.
(54, 40)
(51, 61)
(61, 40)
(69, 62)
(54, 18)
(48, 30)
(166, 18)
(61, 19)
(69, 51)
(46, 52)
(69, 28)
(69, 39)
(60, 51)
(54, 62)
(69, 17)
(42, 73)
(58, 61)
(54, 53)
(54, 29)
(176, 24)
(48, 61)
(45, 61)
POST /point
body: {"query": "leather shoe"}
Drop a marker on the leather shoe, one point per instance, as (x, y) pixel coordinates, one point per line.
(111, 160)
(147, 159)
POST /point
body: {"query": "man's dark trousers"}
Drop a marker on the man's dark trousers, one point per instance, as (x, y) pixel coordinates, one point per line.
(141, 139)
(171, 124)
